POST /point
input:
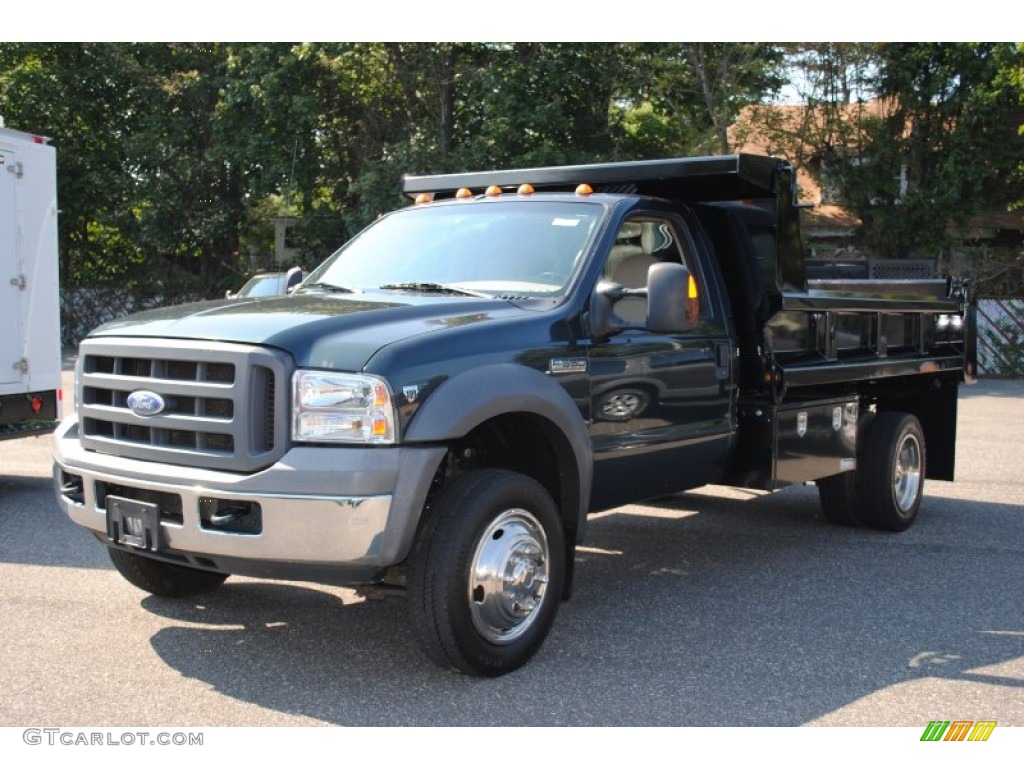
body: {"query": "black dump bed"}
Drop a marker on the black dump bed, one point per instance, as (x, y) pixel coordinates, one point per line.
(791, 331)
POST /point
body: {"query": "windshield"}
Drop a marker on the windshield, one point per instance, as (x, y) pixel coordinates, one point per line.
(520, 249)
(262, 285)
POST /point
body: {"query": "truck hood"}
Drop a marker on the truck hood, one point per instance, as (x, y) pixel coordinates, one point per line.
(341, 331)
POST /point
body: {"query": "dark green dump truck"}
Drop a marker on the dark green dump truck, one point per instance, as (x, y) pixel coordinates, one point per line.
(441, 403)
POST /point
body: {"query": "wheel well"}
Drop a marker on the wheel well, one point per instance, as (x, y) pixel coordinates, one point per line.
(524, 443)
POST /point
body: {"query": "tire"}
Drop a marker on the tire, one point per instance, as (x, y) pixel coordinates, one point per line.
(163, 579)
(621, 404)
(486, 572)
(840, 498)
(840, 494)
(893, 471)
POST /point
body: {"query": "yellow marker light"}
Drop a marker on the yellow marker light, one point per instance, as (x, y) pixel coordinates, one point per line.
(692, 304)
(463, 193)
(525, 189)
(691, 288)
(584, 189)
(424, 197)
(493, 191)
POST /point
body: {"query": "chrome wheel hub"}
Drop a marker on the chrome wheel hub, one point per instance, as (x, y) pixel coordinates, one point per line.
(508, 576)
(906, 482)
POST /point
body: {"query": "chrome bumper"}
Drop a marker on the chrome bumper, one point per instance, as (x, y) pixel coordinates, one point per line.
(352, 507)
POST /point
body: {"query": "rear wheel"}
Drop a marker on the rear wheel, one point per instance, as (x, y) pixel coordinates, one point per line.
(893, 472)
(840, 494)
(840, 499)
(886, 488)
(486, 572)
(163, 579)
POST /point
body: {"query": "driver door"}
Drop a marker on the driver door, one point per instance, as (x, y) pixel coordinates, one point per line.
(661, 404)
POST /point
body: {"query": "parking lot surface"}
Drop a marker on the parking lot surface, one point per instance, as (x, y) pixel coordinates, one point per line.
(715, 607)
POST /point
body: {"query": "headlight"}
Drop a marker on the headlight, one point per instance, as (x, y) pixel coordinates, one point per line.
(341, 407)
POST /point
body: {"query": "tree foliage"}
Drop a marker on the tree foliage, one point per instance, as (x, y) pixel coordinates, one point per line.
(945, 147)
(919, 138)
(174, 157)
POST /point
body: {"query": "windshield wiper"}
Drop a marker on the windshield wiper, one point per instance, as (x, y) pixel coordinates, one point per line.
(432, 288)
(330, 287)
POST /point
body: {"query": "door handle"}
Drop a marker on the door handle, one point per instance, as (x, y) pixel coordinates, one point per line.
(723, 360)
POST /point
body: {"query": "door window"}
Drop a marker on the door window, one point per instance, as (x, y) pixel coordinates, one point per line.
(639, 244)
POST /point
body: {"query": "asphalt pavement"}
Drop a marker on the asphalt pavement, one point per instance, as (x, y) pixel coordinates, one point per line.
(715, 607)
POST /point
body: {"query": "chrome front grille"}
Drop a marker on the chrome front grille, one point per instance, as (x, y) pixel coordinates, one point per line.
(222, 406)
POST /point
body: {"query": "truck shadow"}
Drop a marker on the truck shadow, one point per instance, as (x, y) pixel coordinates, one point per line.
(695, 611)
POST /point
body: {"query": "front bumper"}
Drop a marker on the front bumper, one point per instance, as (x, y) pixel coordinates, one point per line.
(332, 514)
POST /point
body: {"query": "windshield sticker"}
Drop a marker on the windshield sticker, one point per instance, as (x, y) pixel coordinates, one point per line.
(565, 223)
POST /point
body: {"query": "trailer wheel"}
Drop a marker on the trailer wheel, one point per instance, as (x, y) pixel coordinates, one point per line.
(486, 572)
(163, 579)
(893, 471)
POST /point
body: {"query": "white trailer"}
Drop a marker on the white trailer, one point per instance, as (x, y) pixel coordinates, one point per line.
(30, 354)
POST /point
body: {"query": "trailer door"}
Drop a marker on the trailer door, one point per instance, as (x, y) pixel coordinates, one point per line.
(11, 330)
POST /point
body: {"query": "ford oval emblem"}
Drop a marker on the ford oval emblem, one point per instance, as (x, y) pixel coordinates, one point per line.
(146, 403)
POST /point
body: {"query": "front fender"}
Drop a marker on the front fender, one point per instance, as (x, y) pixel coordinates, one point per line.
(470, 398)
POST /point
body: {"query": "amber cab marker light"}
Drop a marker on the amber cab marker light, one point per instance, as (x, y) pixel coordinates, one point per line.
(584, 189)
(424, 197)
(525, 189)
(493, 191)
(463, 193)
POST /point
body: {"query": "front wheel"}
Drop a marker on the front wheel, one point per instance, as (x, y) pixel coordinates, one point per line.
(163, 579)
(486, 572)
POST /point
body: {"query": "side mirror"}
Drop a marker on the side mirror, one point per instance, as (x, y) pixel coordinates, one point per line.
(228, 294)
(292, 279)
(673, 304)
(603, 320)
(672, 299)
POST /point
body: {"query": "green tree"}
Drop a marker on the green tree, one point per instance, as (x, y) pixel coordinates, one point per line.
(82, 97)
(944, 149)
(173, 157)
(704, 86)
